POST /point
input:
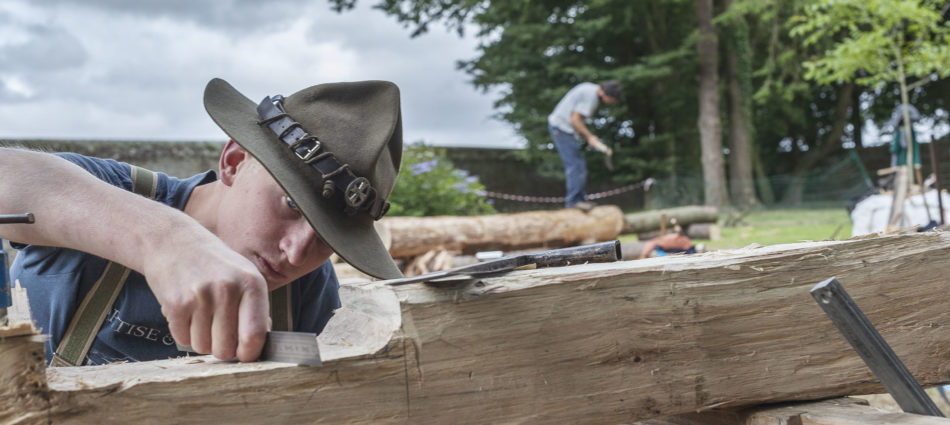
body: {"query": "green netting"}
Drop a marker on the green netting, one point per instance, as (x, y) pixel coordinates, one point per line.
(834, 184)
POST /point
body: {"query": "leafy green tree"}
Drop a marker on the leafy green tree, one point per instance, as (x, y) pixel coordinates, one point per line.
(876, 42)
(532, 52)
(535, 51)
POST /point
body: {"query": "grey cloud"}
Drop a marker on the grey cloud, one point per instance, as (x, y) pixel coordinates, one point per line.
(48, 49)
(138, 79)
(235, 17)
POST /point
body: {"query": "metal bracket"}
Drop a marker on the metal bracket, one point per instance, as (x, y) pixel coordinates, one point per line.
(869, 344)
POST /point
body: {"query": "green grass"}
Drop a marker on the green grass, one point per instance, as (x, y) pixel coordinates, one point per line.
(778, 226)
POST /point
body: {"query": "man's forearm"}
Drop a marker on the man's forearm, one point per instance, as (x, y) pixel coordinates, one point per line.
(74, 209)
(577, 121)
(213, 298)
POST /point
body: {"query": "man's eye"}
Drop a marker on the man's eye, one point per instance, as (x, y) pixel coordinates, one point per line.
(291, 204)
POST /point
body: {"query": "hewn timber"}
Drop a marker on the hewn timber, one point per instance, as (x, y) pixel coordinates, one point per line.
(413, 236)
(648, 221)
(596, 343)
(840, 411)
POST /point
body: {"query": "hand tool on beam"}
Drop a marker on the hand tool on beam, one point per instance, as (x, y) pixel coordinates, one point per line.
(16, 218)
(286, 347)
(880, 358)
(595, 253)
(6, 297)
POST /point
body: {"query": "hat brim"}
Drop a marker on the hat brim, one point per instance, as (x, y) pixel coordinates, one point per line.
(352, 237)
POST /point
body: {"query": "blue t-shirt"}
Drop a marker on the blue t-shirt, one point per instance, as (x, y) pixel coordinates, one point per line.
(58, 279)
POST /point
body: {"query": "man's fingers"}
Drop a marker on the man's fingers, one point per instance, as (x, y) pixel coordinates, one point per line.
(224, 327)
(180, 330)
(201, 330)
(253, 314)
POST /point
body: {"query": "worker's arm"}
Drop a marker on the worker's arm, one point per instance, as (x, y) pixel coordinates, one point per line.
(214, 298)
(577, 121)
(647, 249)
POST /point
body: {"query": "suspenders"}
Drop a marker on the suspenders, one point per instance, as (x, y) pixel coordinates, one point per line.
(92, 312)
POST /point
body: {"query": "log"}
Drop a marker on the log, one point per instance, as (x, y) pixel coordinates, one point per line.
(708, 231)
(596, 343)
(413, 236)
(648, 221)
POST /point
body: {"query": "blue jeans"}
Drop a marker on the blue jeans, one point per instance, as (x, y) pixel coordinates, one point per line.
(575, 167)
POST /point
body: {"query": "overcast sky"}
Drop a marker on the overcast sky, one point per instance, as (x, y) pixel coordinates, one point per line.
(120, 69)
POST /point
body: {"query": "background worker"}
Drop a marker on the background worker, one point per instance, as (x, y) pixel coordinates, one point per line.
(302, 177)
(671, 243)
(567, 124)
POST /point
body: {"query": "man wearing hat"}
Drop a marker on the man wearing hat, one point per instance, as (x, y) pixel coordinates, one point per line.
(114, 276)
(566, 124)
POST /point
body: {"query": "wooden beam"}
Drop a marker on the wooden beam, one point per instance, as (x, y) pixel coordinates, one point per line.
(840, 411)
(835, 412)
(596, 343)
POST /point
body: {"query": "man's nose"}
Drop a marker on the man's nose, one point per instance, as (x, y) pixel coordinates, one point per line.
(298, 243)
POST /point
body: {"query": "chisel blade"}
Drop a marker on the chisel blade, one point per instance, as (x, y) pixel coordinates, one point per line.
(299, 348)
(292, 347)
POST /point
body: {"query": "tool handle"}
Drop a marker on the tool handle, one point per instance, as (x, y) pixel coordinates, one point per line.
(16, 218)
(6, 298)
(603, 252)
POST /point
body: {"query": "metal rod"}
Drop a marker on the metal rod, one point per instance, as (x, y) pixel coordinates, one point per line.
(17, 218)
(869, 344)
(935, 166)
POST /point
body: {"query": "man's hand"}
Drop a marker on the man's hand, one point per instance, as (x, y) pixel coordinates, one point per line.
(214, 299)
(595, 143)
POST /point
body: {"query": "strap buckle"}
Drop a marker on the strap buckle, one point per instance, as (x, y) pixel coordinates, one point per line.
(308, 153)
(357, 193)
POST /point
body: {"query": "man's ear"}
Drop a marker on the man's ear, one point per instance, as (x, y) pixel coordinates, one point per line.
(231, 157)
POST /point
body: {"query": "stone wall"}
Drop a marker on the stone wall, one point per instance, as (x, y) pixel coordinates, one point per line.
(179, 159)
(498, 170)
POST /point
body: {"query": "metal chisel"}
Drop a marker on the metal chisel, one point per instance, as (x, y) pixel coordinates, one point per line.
(286, 347)
(595, 253)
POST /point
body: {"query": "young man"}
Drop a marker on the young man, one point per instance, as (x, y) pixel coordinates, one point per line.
(566, 123)
(302, 177)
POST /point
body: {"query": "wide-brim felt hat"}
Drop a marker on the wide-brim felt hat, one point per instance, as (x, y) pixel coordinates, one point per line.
(357, 124)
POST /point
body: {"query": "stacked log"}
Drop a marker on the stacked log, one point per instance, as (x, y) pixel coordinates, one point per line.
(699, 222)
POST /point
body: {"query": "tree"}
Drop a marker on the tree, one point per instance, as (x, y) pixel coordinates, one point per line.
(535, 51)
(876, 42)
(739, 88)
(532, 52)
(710, 128)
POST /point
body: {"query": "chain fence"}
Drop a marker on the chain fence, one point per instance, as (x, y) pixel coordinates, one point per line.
(837, 184)
(645, 185)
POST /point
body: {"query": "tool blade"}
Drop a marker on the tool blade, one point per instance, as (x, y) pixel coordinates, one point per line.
(292, 347)
(299, 348)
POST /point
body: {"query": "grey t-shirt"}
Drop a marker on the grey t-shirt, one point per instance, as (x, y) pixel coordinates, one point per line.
(581, 99)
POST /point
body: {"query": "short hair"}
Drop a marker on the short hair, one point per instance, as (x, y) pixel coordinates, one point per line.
(612, 88)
